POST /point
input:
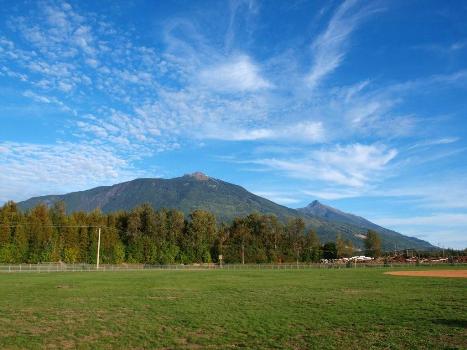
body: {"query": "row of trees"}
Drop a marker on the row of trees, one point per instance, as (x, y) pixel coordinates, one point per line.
(144, 235)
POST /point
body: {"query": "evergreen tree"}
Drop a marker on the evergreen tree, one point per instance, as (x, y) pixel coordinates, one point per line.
(8, 221)
(21, 242)
(330, 250)
(41, 235)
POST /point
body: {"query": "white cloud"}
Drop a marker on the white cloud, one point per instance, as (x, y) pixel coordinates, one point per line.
(329, 48)
(237, 74)
(241, 135)
(306, 132)
(92, 62)
(49, 100)
(236, 103)
(235, 7)
(65, 87)
(354, 165)
(83, 38)
(278, 197)
(435, 142)
(57, 168)
(333, 194)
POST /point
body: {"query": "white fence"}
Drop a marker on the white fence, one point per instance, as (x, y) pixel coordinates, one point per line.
(60, 267)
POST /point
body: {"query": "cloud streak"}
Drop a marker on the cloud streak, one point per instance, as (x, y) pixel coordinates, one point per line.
(240, 74)
(354, 165)
(329, 48)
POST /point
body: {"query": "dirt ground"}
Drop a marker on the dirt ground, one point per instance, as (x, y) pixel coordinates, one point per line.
(432, 273)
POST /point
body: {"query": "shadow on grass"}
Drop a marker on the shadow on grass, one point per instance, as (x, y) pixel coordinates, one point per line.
(452, 323)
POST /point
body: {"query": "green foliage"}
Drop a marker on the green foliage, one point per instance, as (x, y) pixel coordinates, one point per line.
(118, 253)
(70, 255)
(7, 253)
(312, 251)
(345, 248)
(148, 236)
(373, 244)
(224, 200)
(200, 235)
(330, 250)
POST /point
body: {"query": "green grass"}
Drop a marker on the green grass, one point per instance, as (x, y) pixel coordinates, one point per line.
(305, 309)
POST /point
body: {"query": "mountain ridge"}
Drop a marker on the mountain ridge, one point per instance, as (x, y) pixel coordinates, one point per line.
(226, 201)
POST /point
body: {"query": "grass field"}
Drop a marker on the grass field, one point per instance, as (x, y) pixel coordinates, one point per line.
(304, 309)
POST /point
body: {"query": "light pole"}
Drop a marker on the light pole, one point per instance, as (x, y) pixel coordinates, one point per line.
(98, 247)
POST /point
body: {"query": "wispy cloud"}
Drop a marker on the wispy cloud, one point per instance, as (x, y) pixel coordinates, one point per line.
(279, 197)
(306, 132)
(435, 142)
(158, 99)
(239, 74)
(237, 8)
(48, 100)
(443, 49)
(333, 194)
(330, 47)
(58, 168)
(353, 165)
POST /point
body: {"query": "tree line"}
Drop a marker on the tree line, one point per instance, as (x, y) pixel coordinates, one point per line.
(165, 236)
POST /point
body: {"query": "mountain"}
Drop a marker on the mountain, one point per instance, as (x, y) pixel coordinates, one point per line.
(186, 193)
(398, 241)
(225, 201)
(318, 209)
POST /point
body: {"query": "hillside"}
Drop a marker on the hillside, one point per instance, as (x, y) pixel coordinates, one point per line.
(389, 237)
(186, 193)
(225, 201)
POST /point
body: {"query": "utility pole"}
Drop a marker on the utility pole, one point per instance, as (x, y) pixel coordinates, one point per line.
(98, 247)
(243, 253)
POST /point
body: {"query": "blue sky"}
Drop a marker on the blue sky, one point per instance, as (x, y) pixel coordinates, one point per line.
(361, 105)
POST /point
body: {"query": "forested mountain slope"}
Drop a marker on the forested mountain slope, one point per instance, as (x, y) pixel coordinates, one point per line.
(226, 201)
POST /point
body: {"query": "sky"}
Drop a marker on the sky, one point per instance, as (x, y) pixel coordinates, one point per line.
(359, 104)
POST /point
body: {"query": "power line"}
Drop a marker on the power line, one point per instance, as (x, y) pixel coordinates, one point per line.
(82, 226)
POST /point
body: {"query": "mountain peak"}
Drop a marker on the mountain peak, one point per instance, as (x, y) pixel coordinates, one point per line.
(316, 208)
(198, 175)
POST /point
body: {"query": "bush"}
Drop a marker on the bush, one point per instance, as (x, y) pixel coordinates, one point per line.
(7, 254)
(70, 255)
